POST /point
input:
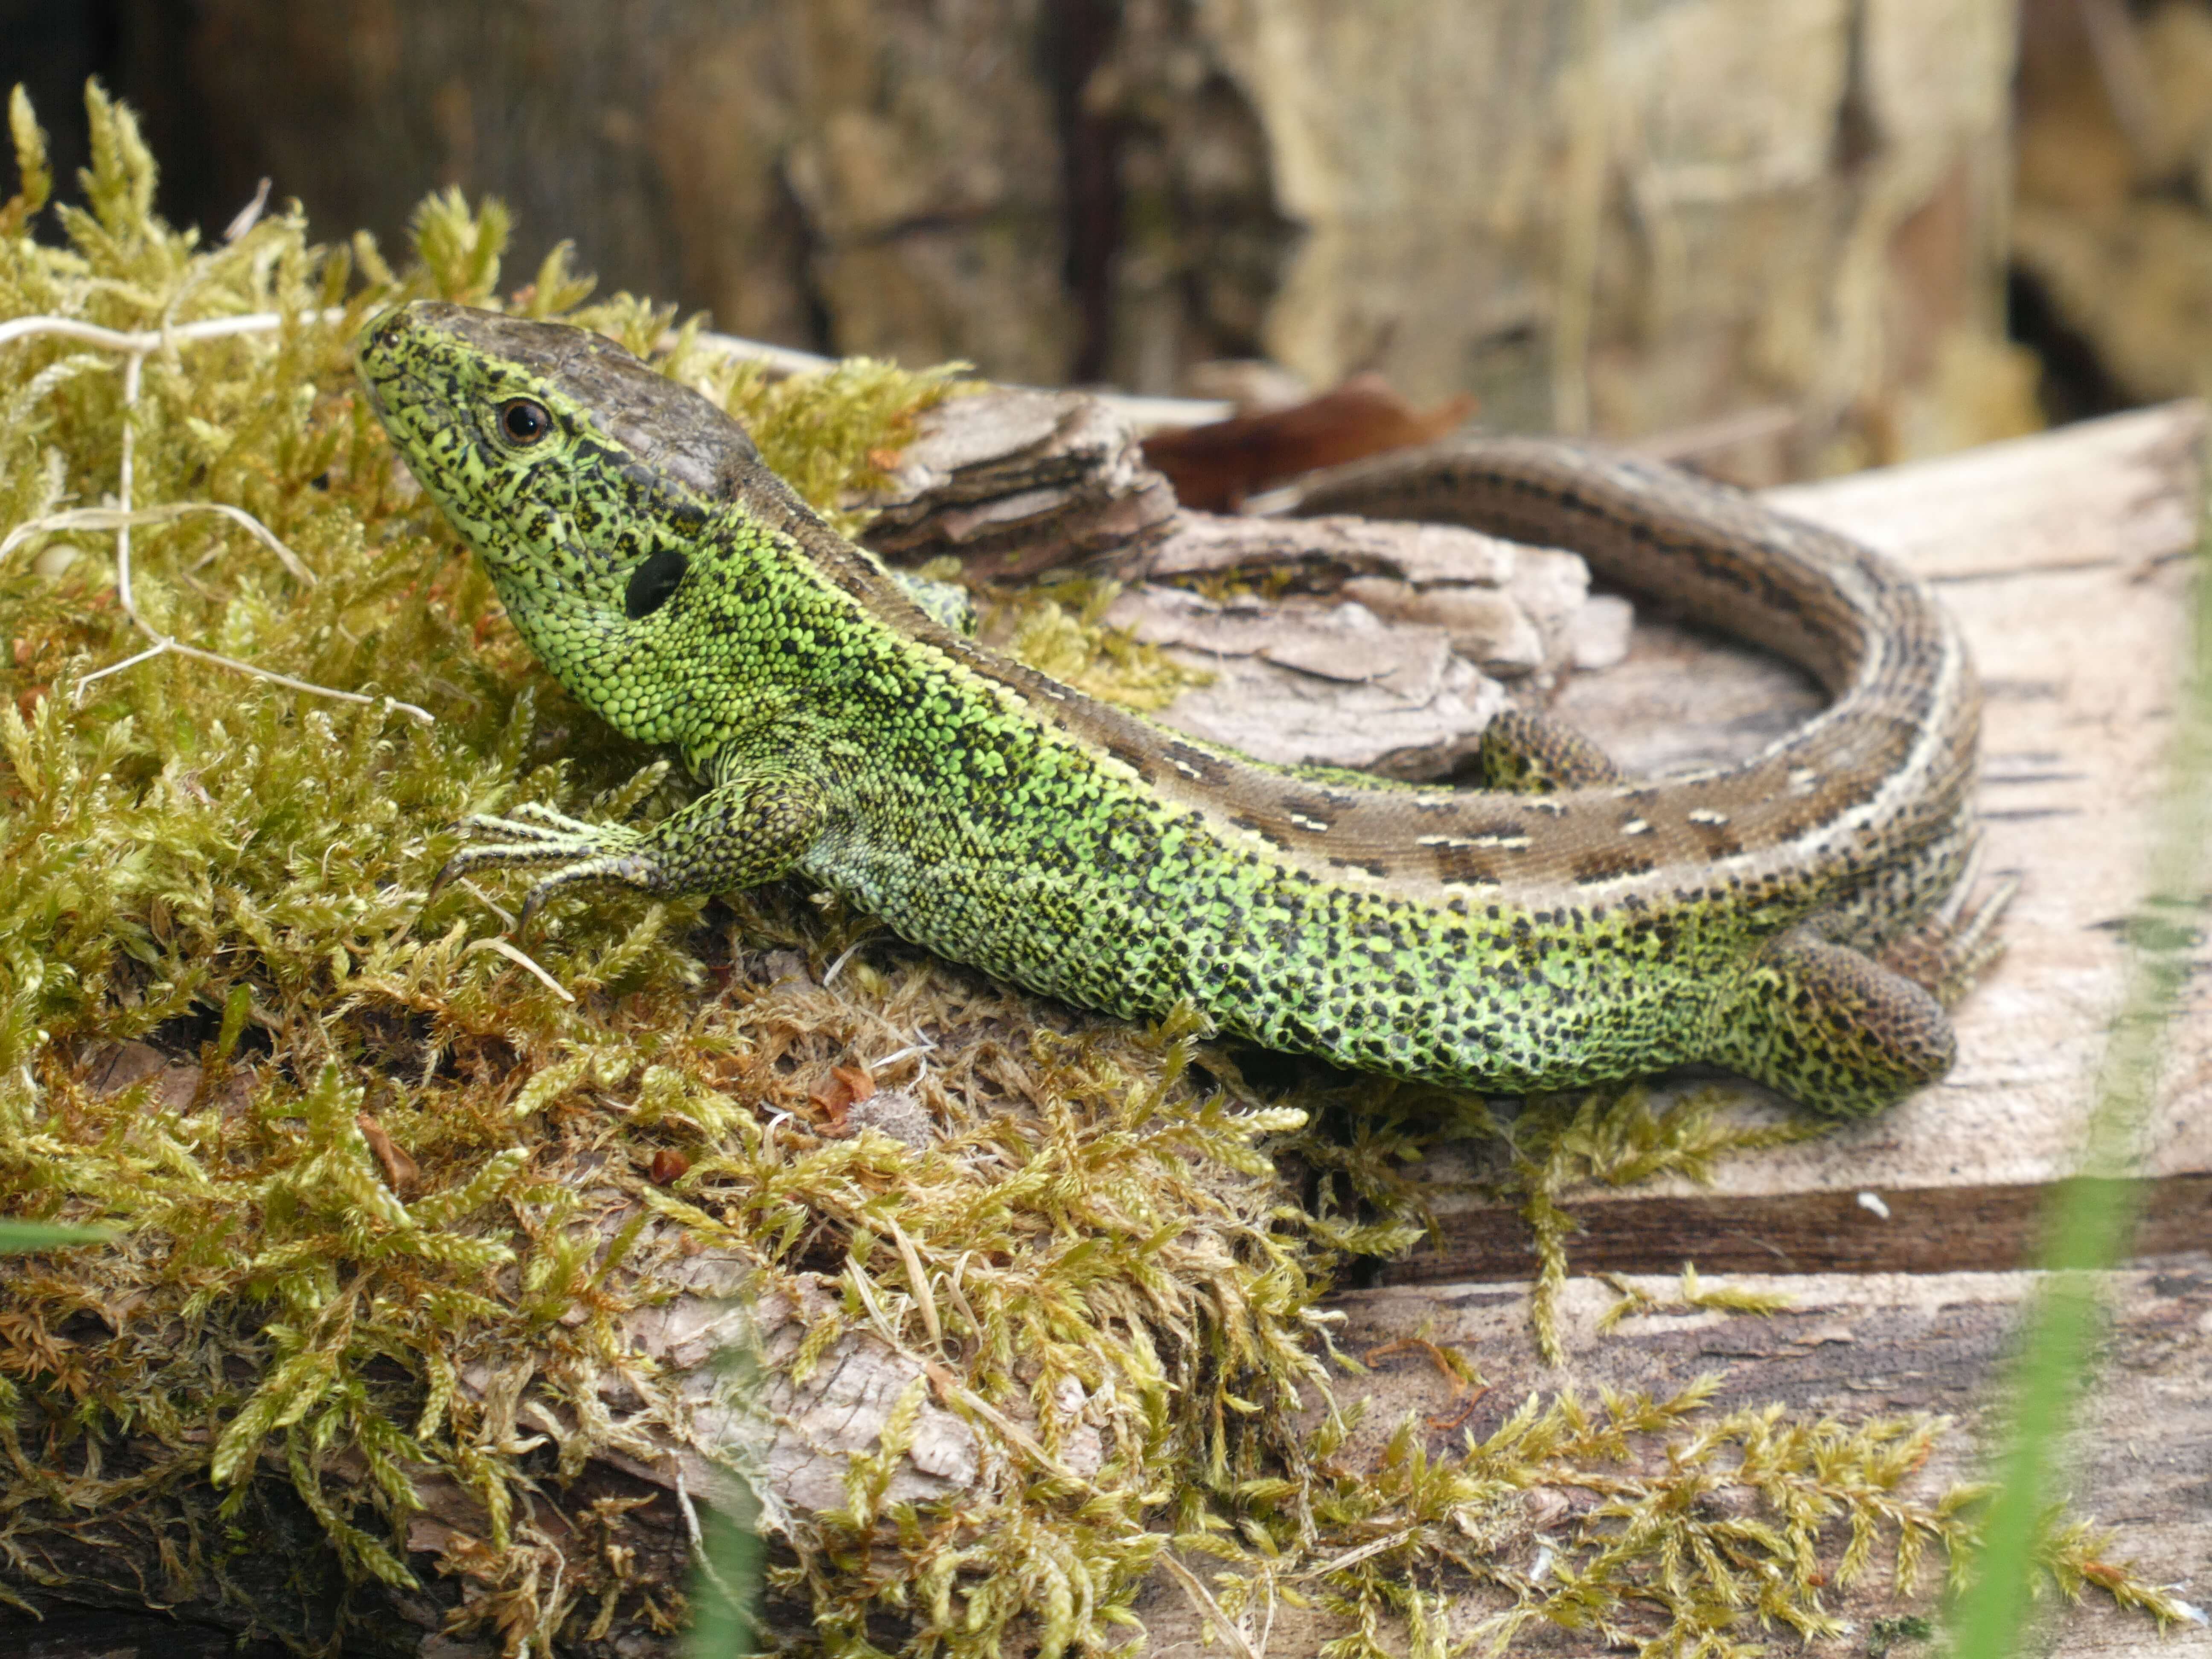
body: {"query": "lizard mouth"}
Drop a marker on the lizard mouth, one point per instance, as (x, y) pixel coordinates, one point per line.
(372, 361)
(381, 354)
(407, 401)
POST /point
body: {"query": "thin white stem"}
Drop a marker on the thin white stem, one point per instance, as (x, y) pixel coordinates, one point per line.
(122, 516)
(1353, 1557)
(550, 1621)
(133, 369)
(1209, 1610)
(505, 916)
(162, 648)
(907, 1052)
(838, 966)
(523, 962)
(731, 1599)
(421, 716)
(145, 340)
(110, 518)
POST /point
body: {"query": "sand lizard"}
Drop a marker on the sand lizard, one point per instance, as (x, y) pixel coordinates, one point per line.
(1796, 917)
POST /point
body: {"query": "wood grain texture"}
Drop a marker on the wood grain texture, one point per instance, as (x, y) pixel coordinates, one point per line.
(1857, 1347)
(1916, 1230)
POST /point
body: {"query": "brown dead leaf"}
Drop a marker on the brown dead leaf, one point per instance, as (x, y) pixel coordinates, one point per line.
(835, 1098)
(400, 1172)
(1214, 467)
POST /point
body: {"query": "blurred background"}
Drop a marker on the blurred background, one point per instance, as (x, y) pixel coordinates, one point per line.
(1788, 237)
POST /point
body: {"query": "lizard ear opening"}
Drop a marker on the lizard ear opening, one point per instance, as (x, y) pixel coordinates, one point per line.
(652, 582)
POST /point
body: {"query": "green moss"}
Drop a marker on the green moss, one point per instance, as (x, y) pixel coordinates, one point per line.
(1612, 1138)
(236, 870)
(1694, 1293)
(1058, 627)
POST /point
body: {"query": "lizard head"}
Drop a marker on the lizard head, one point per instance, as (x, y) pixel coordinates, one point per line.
(577, 472)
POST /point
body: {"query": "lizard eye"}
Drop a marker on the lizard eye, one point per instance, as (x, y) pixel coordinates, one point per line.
(523, 421)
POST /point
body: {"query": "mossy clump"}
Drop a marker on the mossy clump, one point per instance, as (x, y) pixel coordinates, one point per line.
(390, 1192)
(1058, 627)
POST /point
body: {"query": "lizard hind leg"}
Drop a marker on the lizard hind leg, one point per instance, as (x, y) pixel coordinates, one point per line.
(1532, 754)
(1927, 914)
(1829, 1026)
(1952, 948)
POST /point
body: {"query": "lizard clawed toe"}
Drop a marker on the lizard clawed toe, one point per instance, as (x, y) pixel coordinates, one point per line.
(536, 835)
(1954, 947)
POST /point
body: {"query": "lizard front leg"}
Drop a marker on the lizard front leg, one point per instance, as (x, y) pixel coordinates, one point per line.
(753, 827)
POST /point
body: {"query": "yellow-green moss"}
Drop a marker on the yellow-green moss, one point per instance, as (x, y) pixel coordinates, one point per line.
(1058, 627)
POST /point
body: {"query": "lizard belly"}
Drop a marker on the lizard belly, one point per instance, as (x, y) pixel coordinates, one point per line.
(1461, 993)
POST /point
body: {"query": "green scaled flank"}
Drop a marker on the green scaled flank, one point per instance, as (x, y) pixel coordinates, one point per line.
(1505, 942)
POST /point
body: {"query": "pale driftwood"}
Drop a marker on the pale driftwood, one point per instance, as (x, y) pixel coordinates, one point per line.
(1507, 609)
(1016, 482)
(1386, 658)
(1855, 1346)
(1309, 682)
